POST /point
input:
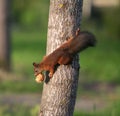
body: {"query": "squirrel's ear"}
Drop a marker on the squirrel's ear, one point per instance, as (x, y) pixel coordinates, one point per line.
(34, 64)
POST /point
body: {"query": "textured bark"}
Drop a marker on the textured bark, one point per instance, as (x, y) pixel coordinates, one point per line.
(59, 93)
(4, 34)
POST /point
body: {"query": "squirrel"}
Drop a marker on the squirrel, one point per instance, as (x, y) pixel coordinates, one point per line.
(64, 54)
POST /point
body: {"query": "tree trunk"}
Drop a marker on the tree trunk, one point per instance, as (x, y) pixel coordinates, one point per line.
(59, 93)
(4, 35)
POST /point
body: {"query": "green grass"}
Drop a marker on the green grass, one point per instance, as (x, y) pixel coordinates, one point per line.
(101, 63)
(24, 110)
(27, 48)
(113, 110)
(23, 86)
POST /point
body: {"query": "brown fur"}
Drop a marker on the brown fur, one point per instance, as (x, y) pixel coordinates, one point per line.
(64, 54)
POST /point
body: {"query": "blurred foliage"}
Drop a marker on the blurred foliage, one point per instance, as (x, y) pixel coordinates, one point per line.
(29, 12)
(108, 20)
(19, 9)
(111, 20)
(104, 58)
(35, 13)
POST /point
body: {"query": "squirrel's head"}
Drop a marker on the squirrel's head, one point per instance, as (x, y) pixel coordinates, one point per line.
(36, 69)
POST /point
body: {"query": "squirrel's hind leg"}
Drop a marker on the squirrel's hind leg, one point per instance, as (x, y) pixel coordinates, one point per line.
(51, 71)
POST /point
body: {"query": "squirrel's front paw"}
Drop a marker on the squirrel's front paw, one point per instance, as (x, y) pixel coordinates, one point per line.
(50, 75)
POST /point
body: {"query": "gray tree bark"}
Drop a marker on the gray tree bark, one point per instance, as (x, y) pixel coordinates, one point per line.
(59, 93)
(4, 34)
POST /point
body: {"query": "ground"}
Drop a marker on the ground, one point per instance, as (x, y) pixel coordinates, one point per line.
(85, 103)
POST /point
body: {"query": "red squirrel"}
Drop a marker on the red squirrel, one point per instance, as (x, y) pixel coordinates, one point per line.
(64, 54)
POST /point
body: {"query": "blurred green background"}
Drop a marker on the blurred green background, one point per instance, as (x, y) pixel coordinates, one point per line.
(99, 82)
